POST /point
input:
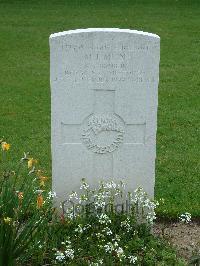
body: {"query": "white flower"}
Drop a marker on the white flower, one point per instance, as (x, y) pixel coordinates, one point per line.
(79, 229)
(73, 195)
(70, 215)
(86, 227)
(69, 253)
(115, 244)
(107, 231)
(110, 185)
(104, 219)
(146, 203)
(119, 251)
(132, 259)
(99, 204)
(51, 194)
(100, 261)
(126, 224)
(185, 217)
(143, 202)
(84, 185)
(108, 247)
(60, 256)
(99, 199)
(139, 196)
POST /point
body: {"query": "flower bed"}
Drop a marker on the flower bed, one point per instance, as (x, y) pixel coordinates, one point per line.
(92, 227)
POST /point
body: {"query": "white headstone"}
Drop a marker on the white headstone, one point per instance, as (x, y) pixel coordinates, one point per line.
(104, 85)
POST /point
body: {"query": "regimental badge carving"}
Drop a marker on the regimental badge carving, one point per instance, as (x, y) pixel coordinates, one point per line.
(103, 133)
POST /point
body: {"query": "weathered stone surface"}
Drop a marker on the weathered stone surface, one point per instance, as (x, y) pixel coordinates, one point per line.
(104, 85)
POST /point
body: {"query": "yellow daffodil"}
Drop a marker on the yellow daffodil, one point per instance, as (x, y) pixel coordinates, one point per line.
(42, 180)
(31, 162)
(40, 201)
(7, 220)
(5, 146)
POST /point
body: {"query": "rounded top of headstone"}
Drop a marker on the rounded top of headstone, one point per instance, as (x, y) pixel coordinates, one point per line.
(69, 32)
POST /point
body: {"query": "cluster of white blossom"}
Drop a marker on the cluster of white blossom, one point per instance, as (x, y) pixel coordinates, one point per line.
(144, 205)
(185, 217)
(110, 247)
(132, 259)
(107, 231)
(99, 200)
(112, 185)
(109, 185)
(79, 229)
(112, 189)
(60, 256)
(73, 196)
(51, 195)
(120, 253)
(87, 226)
(104, 219)
(104, 196)
(70, 214)
(84, 185)
(126, 224)
(67, 252)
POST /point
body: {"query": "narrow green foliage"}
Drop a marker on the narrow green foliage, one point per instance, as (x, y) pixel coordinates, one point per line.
(21, 218)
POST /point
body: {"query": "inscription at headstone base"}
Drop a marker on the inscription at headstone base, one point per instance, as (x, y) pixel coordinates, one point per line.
(104, 85)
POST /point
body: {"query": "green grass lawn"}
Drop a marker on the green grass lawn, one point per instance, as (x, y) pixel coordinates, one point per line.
(25, 27)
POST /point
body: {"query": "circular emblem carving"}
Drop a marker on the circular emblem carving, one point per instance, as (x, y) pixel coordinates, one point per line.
(103, 133)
